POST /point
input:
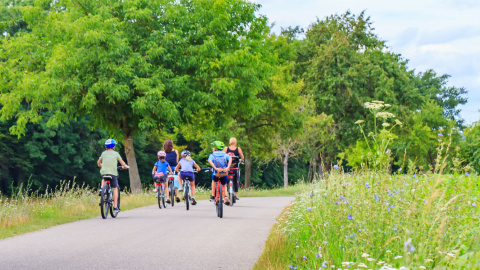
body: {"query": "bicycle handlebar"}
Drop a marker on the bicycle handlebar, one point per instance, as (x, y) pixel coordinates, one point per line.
(120, 168)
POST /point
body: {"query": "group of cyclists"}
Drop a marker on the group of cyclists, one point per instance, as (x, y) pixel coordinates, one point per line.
(221, 161)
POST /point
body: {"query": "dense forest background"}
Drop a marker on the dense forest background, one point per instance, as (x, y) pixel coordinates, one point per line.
(74, 73)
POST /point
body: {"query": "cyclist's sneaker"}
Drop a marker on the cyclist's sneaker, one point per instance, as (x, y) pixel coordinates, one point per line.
(236, 197)
(227, 201)
(168, 201)
(194, 201)
(116, 210)
(212, 198)
(177, 199)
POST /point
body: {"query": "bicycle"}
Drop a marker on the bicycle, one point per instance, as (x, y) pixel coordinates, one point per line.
(186, 190)
(160, 192)
(106, 194)
(171, 188)
(218, 194)
(232, 177)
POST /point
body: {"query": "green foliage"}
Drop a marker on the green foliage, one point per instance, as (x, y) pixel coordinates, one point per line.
(471, 146)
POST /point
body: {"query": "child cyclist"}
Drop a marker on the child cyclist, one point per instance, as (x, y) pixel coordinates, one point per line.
(108, 166)
(160, 170)
(220, 163)
(187, 164)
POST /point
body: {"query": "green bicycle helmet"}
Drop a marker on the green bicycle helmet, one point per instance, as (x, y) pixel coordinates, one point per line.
(218, 145)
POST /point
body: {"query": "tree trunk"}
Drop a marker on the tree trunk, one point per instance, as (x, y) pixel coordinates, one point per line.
(285, 169)
(135, 184)
(314, 168)
(248, 171)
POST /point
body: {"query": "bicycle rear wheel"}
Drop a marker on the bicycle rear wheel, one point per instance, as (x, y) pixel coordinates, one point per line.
(186, 191)
(159, 199)
(112, 213)
(104, 205)
(162, 194)
(172, 193)
(231, 192)
(220, 200)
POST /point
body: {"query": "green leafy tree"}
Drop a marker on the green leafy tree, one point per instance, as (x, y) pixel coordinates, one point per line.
(471, 146)
(134, 65)
(344, 64)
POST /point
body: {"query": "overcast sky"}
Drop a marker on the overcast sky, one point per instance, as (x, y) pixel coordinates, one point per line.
(443, 35)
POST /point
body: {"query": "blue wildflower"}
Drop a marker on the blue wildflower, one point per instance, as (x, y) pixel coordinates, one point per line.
(304, 257)
(324, 264)
(467, 174)
(474, 204)
(376, 198)
(440, 135)
(414, 176)
(311, 195)
(292, 267)
(350, 216)
(335, 167)
(309, 208)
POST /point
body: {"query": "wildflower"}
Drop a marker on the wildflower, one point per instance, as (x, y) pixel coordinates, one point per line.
(350, 216)
(440, 135)
(324, 264)
(474, 204)
(309, 208)
(384, 115)
(362, 265)
(335, 167)
(370, 259)
(398, 122)
(311, 195)
(292, 267)
(467, 174)
(428, 260)
(318, 256)
(408, 246)
(386, 124)
(376, 198)
(450, 254)
(414, 176)
(398, 257)
(422, 267)
(304, 257)
(365, 255)
(403, 268)
(399, 169)
(388, 251)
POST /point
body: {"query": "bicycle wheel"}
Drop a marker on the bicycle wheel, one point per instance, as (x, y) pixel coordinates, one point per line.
(231, 193)
(159, 199)
(162, 194)
(172, 193)
(104, 205)
(186, 192)
(220, 200)
(112, 213)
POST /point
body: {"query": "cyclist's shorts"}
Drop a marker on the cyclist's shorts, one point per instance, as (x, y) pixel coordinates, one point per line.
(159, 179)
(114, 181)
(222, 179)
(190, 174)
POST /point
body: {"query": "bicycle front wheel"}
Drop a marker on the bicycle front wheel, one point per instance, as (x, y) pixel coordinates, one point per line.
(104, 205)
(186, 190)
(112, 213)
(231, 193)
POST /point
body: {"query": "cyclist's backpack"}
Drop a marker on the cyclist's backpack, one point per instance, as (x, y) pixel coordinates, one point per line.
(220, 161)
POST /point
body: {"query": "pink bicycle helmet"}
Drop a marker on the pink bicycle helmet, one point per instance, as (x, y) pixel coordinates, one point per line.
(161, 154)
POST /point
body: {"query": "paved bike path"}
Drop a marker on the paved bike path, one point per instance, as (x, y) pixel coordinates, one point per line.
(152, 238)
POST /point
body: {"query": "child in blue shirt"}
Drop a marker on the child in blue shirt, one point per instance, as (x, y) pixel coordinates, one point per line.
(160, 170)
(220, 163)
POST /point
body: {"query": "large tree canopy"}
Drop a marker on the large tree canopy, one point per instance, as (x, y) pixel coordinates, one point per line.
(135, 65)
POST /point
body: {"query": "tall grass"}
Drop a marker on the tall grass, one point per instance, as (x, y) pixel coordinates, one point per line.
(382, 221)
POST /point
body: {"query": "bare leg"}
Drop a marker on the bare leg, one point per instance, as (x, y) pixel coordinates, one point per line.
(115, 197)
(192, 186)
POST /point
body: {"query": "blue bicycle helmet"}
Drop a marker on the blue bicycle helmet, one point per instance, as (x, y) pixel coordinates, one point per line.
(110, 143)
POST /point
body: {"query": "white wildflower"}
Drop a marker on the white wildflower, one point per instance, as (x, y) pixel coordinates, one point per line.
(362, 265)
(428, 260)
(398, 122)
(370, 259)
(384, 115)
(398, 257)
(422, 267)
(386, 124)
(365, 255)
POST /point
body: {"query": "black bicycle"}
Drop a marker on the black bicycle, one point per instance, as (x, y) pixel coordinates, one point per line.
(106, 197)
(186, 191)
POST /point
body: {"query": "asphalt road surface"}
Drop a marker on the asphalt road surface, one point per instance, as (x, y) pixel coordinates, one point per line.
(151, 238)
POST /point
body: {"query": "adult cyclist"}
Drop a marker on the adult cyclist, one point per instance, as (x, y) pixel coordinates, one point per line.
(234, 150)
